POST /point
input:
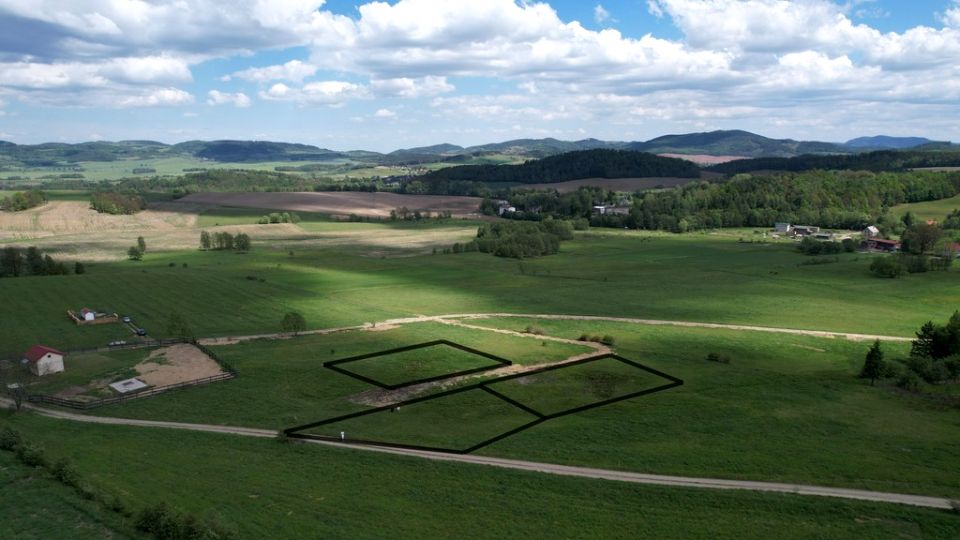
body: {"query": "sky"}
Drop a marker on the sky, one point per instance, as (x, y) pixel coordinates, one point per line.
(380, 75)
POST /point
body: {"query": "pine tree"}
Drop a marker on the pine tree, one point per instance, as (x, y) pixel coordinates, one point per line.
(873, 364)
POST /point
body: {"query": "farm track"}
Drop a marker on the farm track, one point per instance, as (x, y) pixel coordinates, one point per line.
(628, 320)
(533, 466)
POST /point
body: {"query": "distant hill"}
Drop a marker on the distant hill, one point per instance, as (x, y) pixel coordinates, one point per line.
(253, 151)
(732, 143)
(886, 142)
(597, 163)
(537, 148)
(437, 149)
(881, 160)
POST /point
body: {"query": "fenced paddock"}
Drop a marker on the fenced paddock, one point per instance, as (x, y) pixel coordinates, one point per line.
(228, 373)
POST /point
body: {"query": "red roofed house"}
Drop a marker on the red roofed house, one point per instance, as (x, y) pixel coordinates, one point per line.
(44, 360)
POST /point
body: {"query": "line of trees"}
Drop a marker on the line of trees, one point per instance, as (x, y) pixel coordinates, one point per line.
(518, 239)
(110, 202)
(923, 247)
(224, 241)
(23, 200)
(881, 160)
(934, 358)
(279, 217)
(16, 262)
(836, 199)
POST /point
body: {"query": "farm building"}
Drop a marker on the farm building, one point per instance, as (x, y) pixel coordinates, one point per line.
(805, 230)
(782, 228)
(609, 209)
(44, 360)
(879, 244)
(88, 314)
(871, 232)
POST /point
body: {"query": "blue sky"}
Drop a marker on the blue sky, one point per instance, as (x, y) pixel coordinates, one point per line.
(384, 75)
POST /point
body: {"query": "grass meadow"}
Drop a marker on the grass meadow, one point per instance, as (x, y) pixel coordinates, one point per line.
(693, 277)
(937, 210)
(261, 488)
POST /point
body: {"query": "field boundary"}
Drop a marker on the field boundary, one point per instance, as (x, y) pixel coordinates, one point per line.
(335, 364)
(296, 432)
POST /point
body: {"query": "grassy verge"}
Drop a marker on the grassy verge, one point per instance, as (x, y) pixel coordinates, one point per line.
(268, 489)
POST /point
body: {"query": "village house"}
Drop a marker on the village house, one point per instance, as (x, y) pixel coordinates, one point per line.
(871, 232)
(782, 228)
(609, 209)
(44, 360)
(88, 314)
(805, 230)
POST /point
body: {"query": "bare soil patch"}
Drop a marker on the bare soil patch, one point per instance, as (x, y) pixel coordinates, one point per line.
(176, 364)
(341, 203)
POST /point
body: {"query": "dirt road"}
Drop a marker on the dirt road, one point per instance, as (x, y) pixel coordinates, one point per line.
(532, 466)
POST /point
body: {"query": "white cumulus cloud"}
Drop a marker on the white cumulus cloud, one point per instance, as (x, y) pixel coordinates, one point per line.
(294, 70)
(239, 99)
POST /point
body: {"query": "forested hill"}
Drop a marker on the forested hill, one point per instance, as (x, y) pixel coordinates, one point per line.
(883, 160)
(597, 163)
(732, 143)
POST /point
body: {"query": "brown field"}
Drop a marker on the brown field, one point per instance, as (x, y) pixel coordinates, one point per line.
(615, 184)
(340, 203)
(703, 159)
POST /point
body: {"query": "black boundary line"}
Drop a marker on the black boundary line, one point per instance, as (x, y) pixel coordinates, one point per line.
(512, 401)
(674, 382)
(334, 364)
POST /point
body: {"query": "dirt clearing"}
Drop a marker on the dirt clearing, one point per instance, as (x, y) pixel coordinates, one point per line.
(176, 364)
(340, 203)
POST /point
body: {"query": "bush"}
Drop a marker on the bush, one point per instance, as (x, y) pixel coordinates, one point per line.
(608, 340)
(66, 474)
(909, 381)
(116, 203)
(893, 370)
(887, 267)
(165, 524)
(717, 357)
(534, 329)
(584, 337)
(9, 439)
(30, 455)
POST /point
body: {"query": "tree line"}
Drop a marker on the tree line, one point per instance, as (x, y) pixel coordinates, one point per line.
(17, 262)
(835, 199)
(23, 200)
(881, 160)
(518, 239)
(111, 202)
(599, 163)
(224, 241)
(934, 358)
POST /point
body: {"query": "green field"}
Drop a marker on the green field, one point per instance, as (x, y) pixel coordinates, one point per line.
(423, 363)
(34, 506)
(265, 489)
(680, 277)
(937, 210)
(80, 369)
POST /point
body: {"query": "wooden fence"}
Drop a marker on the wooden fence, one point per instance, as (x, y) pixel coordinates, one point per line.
(230, 373)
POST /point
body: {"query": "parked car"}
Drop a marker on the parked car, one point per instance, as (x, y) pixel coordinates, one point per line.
(141, 332)
(126, 319)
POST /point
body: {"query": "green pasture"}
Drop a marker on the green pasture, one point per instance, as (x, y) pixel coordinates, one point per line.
(454, 422)
(33, 506)
(560, 390)
(427, 362)
(282, 383)
(937, 210)
(786, 408)
(261, 488)
(694, 277)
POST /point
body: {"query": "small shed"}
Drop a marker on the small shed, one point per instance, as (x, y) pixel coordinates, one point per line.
(88, 314)
(871, 232)
(44, 360)
(782, 227)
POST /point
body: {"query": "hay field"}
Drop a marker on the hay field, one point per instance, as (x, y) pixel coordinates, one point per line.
(341, 203)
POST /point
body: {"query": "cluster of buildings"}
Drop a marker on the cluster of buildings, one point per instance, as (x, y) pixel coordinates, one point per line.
(870, 235)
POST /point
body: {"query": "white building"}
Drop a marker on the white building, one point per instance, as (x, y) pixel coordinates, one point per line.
(88, 314)
(44, 360)
(871, 232)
